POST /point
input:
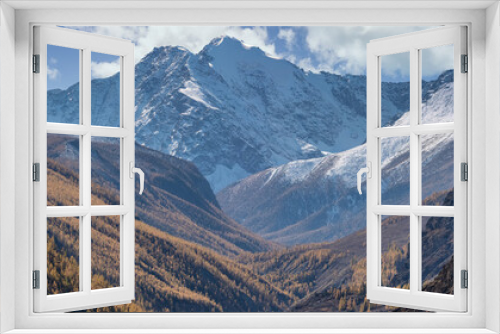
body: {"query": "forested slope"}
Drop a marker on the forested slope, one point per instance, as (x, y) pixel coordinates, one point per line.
(175, 275)
(171, 274)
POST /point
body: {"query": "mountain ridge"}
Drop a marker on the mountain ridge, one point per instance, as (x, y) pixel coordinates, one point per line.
(177, 199)
(235, 115)
(316, 200)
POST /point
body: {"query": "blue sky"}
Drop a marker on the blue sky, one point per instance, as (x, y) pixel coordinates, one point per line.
(340, 50)
(63, 66)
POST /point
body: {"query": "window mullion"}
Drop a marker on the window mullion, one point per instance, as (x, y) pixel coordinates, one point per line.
(414, 172)
(81, 228)
(418, 166)
(86, 236)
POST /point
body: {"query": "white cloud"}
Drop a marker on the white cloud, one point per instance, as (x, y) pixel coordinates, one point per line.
(441, 59)
(53, 60)
(306, 64)
(256, 36)
(288, 35)
(53, 73)
(337, 49)
(190, 37)
(343, 49)
(104, 69)
(396, 65)
(291, 58)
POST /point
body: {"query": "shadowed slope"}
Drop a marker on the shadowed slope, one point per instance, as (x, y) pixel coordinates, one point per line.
(172, 275)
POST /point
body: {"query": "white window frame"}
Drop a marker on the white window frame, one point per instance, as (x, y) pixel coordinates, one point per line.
(413, 44)
(85, 43)
(485, 235)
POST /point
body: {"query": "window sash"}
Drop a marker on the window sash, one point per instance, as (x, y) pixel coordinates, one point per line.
(414, 298)
(86, 298)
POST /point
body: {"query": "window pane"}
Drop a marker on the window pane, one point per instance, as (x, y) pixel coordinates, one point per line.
(63, 165)
(437, 84)
(105, 171)
(105, 90)
(437, 168)
(395, 163)
(63, 85)
(437, 254)
(63, 270)
(395, 90)
(395, 252)
(105, 252)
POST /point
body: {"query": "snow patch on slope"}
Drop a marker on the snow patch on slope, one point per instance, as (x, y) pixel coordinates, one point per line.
(297, 171)
(194, 92)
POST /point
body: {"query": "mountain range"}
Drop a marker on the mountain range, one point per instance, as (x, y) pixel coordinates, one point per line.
(234, 111)
(316, 200)
(279, 146)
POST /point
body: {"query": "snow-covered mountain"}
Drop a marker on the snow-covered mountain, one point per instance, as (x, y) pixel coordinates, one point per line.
(316, 200)
(233, 110)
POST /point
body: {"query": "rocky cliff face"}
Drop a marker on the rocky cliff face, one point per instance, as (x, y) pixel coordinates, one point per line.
(233, 110)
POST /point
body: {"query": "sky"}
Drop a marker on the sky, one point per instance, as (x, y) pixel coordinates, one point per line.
(340, 49)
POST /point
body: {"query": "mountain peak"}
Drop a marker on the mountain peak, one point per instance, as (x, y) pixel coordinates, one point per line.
(445, 77)
(239, 63)
(435, 85)
(225, 40)
(161, 53)
(230, 46)
(169, 48)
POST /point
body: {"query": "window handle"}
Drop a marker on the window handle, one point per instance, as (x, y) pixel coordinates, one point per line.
(368, 171)
(133, 170)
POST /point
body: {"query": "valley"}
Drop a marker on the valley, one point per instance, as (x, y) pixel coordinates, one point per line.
(176, 275)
